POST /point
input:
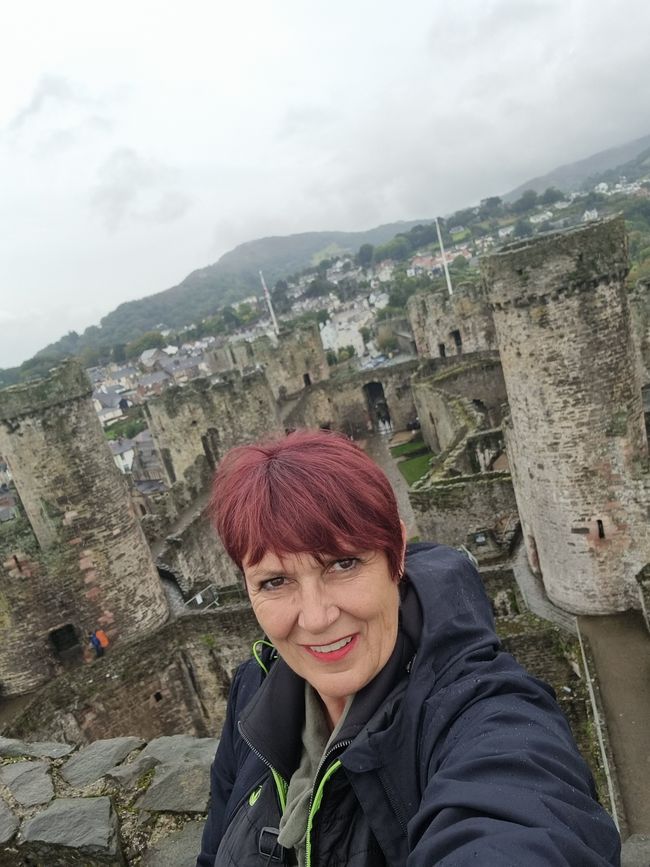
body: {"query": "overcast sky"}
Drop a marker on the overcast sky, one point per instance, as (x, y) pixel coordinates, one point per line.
(141, 140)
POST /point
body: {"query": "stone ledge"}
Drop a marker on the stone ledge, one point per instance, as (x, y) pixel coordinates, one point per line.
(109, 804)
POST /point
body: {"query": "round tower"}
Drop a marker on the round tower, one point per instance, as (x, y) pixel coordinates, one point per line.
(75, 559)
(577, 443)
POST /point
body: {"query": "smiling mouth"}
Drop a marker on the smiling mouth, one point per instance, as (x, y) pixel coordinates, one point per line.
(330, 648)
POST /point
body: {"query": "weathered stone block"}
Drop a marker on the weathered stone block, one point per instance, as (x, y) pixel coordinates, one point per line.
(29, 782)
(173, 749)
(74, 831)
(180, 788)
(12, 748)
(92, 762)
(176, 850)
(8, 823)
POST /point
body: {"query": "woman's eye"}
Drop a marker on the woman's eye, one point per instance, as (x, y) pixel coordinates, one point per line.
(345, 564)
(273, 583)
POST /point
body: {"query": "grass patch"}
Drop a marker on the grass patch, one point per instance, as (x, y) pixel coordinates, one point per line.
(414, 468)
(409, 448)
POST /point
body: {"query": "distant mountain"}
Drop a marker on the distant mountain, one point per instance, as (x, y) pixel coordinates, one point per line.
(235, 276)
(573, 176)
(202, 292)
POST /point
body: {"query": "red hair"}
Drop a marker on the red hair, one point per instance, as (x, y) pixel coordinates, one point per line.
(311, 492)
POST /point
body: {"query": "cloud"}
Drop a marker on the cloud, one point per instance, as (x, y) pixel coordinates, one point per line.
(50, 90)
(304, 119)
(58, 117)
(134, 187)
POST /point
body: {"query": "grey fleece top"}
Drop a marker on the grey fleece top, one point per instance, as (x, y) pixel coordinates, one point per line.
(315, 742)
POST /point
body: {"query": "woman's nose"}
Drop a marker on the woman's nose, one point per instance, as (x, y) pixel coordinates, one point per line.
(317, 611)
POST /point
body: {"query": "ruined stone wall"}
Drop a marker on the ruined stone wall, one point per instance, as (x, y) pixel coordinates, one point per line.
(577, 443)
(291, 358)
(176, 680)
(196, 557)
(195, 425)
(455, 511)
(88, 564)
(443, 417)
(441, 397)
(639, 298)
(436, 316)
(342, 404)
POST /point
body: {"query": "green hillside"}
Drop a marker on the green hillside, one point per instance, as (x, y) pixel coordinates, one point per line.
(236, 275)
(201, 293)
(575, 176)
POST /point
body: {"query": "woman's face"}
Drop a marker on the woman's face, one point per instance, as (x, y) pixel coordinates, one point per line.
(334, 624)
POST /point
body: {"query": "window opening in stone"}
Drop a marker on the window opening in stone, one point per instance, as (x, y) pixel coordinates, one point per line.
(157, 696)
(210, 442)
(378, 410)
(644, 575)
(306, 378)
(458, 341)
(64, 639)
(442, 350)
(601, 529)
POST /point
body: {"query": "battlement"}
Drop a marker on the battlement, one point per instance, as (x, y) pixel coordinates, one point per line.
(556, 263)
(65, 383)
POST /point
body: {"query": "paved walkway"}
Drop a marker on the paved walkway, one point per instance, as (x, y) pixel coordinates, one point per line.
(620, 644)
(377, 447)
(532, 589)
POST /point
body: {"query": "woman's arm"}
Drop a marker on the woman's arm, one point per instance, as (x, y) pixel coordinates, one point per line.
(505, 785)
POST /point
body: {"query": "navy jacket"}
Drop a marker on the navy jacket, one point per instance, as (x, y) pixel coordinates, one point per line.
(453, 755)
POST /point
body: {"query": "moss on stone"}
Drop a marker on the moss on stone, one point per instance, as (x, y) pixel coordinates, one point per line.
(65, 383)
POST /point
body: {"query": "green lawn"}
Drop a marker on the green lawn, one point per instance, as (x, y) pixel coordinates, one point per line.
(414, 468)
(415, 445)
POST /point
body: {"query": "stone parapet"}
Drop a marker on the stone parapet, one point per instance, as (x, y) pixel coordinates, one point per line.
(133, 801)
(540, 269)
(66, 383)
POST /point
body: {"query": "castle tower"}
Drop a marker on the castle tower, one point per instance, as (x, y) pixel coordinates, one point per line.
(76, 559)
(577, 444)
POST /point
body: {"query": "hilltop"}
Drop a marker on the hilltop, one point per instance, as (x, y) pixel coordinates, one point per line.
(235, 276)
(583, 173)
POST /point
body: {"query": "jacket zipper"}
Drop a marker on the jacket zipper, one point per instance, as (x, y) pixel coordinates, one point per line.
(281, 784)
(317, 794)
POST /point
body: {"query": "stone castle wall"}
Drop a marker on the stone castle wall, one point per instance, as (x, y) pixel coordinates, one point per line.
(197, 558)
(442, 390)
(87, 564)
(293, 360)
(342, 404)
(176, 680)
(640, 310)
(479, 512)
(577, 442)
(195, 425)
(434, 318)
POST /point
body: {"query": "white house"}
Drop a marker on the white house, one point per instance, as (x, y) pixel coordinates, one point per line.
(123, 452)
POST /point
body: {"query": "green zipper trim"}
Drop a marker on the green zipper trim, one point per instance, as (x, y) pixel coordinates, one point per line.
(318, 797)
(256, 653)
(254, 795)
(281, 785)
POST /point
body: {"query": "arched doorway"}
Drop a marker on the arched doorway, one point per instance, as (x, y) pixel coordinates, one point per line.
(378, 410)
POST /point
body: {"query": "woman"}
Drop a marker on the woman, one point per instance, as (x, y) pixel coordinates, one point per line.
(380, 724)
